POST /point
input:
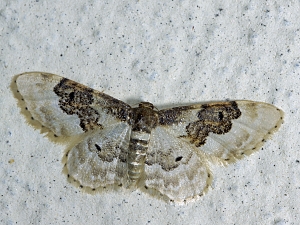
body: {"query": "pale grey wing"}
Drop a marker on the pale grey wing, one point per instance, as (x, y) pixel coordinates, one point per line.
(100, 159)
(174, 169)
(66, 107)
(224, 130)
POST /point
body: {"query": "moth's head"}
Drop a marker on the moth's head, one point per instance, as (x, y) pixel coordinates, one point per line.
(146, 105)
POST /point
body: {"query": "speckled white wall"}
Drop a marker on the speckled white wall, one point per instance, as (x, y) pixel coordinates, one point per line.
(165, 52)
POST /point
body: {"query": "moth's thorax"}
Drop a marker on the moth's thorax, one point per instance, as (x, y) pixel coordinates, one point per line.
(146, 105)
(144, 119)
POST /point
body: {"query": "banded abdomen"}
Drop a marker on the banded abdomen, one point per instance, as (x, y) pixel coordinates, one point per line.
(143, 121)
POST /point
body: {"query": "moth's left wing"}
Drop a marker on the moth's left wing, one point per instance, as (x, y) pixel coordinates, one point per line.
(100, 159)
(224, 130)
(66, 107)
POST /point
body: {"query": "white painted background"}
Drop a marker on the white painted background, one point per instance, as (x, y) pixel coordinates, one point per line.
(166, 52)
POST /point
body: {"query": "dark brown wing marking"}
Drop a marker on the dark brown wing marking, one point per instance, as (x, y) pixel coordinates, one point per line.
(172, 116)
(215, 118)
(211, 118)
(78, 99)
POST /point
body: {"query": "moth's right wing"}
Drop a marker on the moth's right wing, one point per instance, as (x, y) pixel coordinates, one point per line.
(66, 107)
(223, 131)
(173, 168)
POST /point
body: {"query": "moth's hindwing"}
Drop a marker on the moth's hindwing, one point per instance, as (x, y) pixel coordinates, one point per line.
(174, 169)
(100, 159)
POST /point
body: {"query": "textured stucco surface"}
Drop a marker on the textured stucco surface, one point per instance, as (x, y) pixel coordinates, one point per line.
(165, 52)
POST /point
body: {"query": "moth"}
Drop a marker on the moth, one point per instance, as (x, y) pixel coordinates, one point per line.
(167, 152)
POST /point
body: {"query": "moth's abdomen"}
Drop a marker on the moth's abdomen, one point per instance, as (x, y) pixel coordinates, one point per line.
(137, 153)
(144, 119)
